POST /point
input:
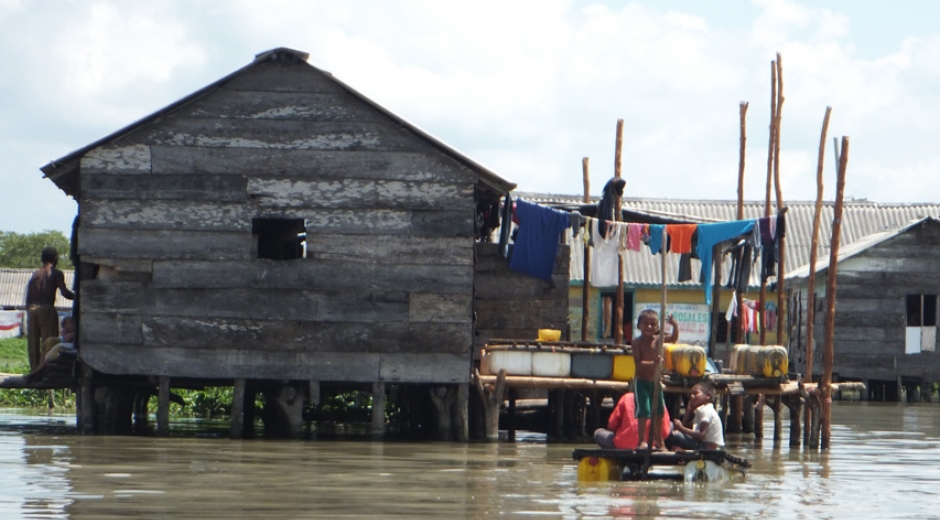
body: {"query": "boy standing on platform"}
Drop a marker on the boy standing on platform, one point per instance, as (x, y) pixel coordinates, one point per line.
(646, 355)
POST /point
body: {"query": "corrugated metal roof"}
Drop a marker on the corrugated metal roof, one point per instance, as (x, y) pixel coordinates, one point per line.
(13, 288)
(860, 218)
(857, 247)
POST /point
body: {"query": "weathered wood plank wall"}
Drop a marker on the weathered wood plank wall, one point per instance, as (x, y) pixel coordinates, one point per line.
(385, 292)
(509, 305)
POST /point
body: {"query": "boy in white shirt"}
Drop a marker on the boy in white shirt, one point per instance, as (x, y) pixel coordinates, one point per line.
(706, 431)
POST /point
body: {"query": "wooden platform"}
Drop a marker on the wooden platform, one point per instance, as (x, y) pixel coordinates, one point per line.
(59, 373)
(637, 463)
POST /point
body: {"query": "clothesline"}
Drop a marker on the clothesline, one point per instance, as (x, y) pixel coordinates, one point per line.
(540, 227)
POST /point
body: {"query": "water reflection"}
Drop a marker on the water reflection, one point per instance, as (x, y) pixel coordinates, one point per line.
(884, 463)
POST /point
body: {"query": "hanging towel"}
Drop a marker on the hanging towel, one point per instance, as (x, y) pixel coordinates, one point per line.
(708, 236)
(537, 241)
(604, 259)
(680, 236)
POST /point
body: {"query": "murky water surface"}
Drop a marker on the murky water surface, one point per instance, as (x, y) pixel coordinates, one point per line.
(884, 463)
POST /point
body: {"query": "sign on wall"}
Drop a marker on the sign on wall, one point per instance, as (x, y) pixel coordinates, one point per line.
(692, 318)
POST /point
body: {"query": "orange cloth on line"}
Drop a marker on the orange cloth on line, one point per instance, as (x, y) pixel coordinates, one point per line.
(681, 237)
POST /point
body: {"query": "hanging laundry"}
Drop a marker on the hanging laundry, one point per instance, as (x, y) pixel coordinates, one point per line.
(604, 259)
(680, 236)
(657, 238)
(537, 241)
(709, 235)
(634, 234)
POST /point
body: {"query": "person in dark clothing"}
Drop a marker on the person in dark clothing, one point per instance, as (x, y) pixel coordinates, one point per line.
(43, 320)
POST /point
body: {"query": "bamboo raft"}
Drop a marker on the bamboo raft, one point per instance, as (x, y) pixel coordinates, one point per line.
(597, 465)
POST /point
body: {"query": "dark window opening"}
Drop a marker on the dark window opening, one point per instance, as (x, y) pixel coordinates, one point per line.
(279, 238)
(921, 310)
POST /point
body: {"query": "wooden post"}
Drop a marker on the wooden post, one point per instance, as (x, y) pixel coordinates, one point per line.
(443, 398)
(825, 381)
(759, 403)
(163, 406)
(737, 333)
(776, 406)
(654, 422)
(462, 413)
(618, 312)
(794, 403)
(238, 409)
(378, 410)
(762, 301)
(585, 288)
(811, 282)
(86, 398)
(782, 310)
(511, 416)
(492, 398)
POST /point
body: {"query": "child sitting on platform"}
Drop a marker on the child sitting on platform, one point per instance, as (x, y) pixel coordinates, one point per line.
(706, 431)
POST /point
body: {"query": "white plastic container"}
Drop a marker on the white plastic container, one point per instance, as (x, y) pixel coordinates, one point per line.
(551, 364)
(515, 362)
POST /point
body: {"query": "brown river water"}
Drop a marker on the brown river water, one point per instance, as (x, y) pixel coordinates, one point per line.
(884, 463)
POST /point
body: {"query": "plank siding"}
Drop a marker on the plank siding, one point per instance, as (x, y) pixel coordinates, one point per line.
(313, 164)
(117, 186)
(361, 194)
(263, 133)
(508, 304)
(230, 363)
(391, 249)
(229, 104)
(310, 274)
(162, 244)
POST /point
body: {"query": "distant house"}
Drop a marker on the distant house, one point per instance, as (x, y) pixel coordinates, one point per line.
(278, 226)
(887, 288)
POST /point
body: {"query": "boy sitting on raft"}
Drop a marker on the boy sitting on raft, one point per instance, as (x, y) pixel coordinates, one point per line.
(706, 432)
(646, 356)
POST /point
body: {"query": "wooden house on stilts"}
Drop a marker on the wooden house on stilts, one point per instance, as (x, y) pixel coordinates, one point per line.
(281, 233)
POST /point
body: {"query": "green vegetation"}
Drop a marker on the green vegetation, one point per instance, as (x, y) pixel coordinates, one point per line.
(22, 251)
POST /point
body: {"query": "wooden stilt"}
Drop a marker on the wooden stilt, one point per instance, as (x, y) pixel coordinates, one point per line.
(443, 398)
(462, 413)
(378, 410)
(825, 381)
(794, 404)
(618, 312)
(86, 404)
(238, 409)
(759, 417)
(163, 406)
(511, 416)
(585, 290)
(492, 398)
(777, 408)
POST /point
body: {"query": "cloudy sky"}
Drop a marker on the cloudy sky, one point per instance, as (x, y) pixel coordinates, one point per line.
(524, 87)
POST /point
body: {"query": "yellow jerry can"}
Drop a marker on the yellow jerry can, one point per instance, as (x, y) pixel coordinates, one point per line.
(598, 469)
(624, 367)
(685, 360)
(760, 361)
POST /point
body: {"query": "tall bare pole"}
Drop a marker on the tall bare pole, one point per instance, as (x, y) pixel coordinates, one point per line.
(781, 241)
(618, 313)
(825, 380)
(585, 291)
(737, 333)
(771, 147)
(811, 283)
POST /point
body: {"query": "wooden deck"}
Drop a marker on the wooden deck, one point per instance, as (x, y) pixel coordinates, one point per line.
(59, 373)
